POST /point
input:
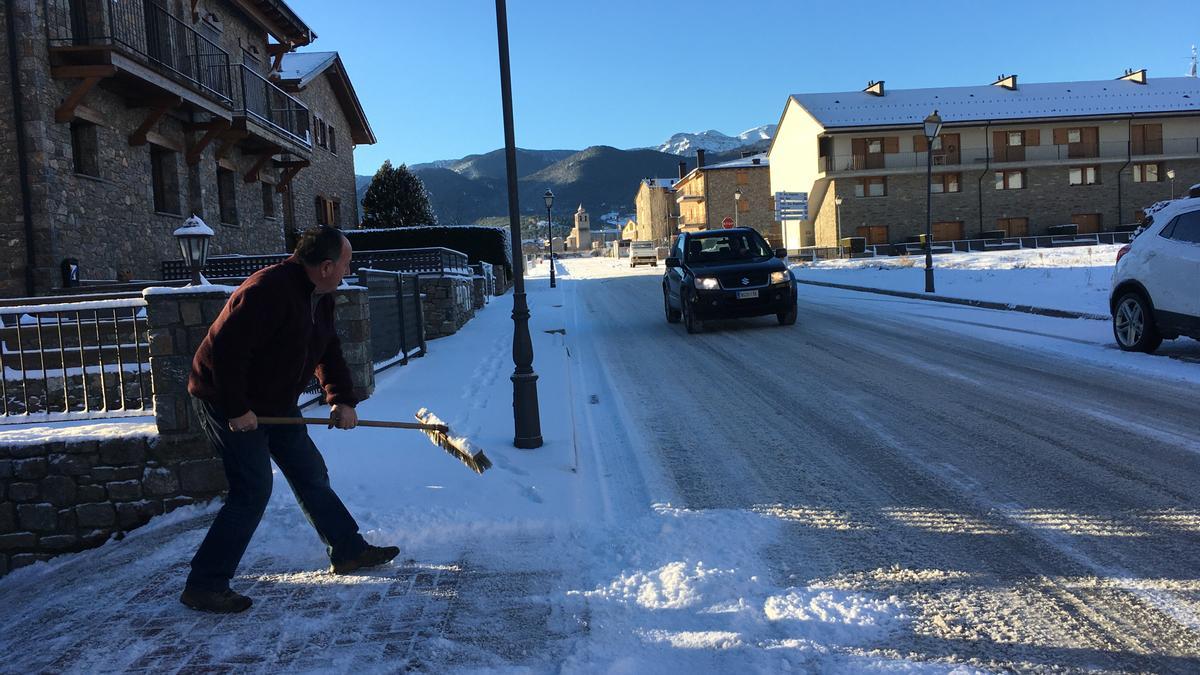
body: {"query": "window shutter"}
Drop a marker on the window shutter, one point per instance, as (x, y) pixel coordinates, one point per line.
(858, 146)
(1153, 132)
(1033, 137)
(1060, 136)
(920, 143)
(1000, 145)
(891, 144)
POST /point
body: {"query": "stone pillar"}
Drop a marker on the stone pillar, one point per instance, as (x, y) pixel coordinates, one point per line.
(446, 304)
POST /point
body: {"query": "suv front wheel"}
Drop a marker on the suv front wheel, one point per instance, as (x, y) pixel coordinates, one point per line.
(1133, 324)
(672, 313)
(690, 322)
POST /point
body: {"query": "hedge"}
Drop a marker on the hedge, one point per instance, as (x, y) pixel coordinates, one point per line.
(478, 243)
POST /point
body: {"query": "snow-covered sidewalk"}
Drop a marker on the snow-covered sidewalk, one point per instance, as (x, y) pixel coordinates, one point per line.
(1072, 279)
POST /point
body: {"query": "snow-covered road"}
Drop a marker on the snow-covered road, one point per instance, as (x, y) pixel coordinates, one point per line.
(1022, 493)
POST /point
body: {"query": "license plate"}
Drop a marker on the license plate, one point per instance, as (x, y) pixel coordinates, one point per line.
(745, 295)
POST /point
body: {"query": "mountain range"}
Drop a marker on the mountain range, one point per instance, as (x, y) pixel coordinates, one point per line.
(601, 178)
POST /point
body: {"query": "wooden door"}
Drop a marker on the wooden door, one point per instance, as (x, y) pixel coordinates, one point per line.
(1089, 223)
(1014, 227)
(950, 230)
(874, 234)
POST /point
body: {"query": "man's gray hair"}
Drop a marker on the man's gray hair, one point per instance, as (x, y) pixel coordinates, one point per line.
(318, 244)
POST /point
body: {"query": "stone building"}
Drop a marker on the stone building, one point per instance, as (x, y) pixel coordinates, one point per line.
(738, 189)
(120, 118)
(657, 213)
(580, 238)
(1013, 158)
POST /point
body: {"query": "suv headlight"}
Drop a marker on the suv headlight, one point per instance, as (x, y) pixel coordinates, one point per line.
(707, 283)
(781, 277)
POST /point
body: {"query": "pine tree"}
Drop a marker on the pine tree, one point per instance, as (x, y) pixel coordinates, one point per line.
(396, 198)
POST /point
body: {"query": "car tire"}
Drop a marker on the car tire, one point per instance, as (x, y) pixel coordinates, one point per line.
(1133, 324)
(690, 322)
(673, 315)
(787, 318)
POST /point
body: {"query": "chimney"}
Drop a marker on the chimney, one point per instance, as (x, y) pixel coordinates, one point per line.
(682, 170)
(699, 158)
(1008, 82)
(756, 161)
(874, 88)
(748, 153)
(1137, 76)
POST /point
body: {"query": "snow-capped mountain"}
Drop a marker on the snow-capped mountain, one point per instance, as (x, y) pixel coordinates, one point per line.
(714, 141)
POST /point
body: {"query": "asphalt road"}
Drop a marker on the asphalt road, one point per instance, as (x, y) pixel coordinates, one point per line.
(1036, 513)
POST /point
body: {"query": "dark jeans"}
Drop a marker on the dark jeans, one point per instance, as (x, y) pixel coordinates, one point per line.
(247, 456)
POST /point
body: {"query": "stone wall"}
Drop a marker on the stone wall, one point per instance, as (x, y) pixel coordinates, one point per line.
(331, 174)
(60, 497)
(446, 304)
(757, 201)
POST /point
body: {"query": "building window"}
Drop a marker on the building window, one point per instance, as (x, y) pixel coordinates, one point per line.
(319, 205)
(268, 200)
(164, 175)
(1145, 173)
(1016, 139)
(743, 204)
(875, 186)
(227, 196)
(946, 182)
(1010, 180)
(332, 139)
(874, 145)
(85, 151)
(335, 212)
(1013, 227)
(1074, 136)
(743, 177)
(1083, 175)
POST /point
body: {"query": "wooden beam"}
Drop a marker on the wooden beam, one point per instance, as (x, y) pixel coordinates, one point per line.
(263, 157)
(66, 111)
(215, 128)
(228, 140)
(79, 72)
(138, 137)
(289, 173)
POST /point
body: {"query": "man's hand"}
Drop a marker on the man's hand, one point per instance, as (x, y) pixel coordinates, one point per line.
(247, 422)
(342, 416)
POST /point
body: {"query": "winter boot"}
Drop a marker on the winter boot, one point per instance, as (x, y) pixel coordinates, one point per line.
(218, 602)
(371, 556)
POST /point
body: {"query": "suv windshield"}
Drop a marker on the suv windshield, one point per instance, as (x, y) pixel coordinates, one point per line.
(727, 247)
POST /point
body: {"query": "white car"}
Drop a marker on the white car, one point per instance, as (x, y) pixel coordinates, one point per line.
(1156, 282)
(643, 252)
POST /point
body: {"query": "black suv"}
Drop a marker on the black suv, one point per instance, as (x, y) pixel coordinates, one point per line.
(726, 274)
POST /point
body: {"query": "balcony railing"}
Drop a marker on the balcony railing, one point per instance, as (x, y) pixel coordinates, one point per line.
(146, 32)
(261, 99)
(1073, 152)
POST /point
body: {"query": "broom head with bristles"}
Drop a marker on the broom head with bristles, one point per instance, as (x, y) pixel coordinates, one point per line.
(457, 447)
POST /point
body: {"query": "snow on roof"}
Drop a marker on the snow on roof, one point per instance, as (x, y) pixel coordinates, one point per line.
(301, 65)
(989, 102)
(753, 160)
(660, 182)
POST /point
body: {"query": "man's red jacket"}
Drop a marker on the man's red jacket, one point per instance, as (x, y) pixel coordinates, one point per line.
(266, 344)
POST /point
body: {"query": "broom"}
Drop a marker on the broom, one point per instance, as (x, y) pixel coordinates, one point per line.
(433, 427)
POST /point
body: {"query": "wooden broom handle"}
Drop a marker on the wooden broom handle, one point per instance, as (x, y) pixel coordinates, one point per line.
(362, 423)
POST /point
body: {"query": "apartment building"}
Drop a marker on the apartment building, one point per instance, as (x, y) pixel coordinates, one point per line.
(120, 118)
(1018, 158)
(739, 189)
(657, 214)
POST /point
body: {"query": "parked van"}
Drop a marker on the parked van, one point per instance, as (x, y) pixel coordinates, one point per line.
(641, 252)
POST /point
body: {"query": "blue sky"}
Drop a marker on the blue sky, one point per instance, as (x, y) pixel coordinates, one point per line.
(630, 74)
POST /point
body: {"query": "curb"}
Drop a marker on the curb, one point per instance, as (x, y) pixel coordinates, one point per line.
(985, 304)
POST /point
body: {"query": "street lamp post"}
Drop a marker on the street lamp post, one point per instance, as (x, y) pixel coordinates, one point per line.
(549, 199)
(737, 200)
(527, 422)
(837, 215)
(1171, 176)
(933, 126)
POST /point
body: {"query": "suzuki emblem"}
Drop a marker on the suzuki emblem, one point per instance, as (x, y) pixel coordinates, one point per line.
(745, 281)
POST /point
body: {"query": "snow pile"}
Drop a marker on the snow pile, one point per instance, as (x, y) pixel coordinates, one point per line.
(1075, 279)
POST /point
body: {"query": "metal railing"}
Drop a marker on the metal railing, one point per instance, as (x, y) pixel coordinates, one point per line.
(263, 100)
(76, 360)
(436, 260)
(397, 322)
(1000, 156)
(147, 32)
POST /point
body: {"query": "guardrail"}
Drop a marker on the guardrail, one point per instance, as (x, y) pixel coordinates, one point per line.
(146, 31)
(270, 105)
(397, 322)
(74, 360)
(816, 253)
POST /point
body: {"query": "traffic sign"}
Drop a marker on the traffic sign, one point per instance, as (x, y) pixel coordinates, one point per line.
(727, 223)
(791, 206)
